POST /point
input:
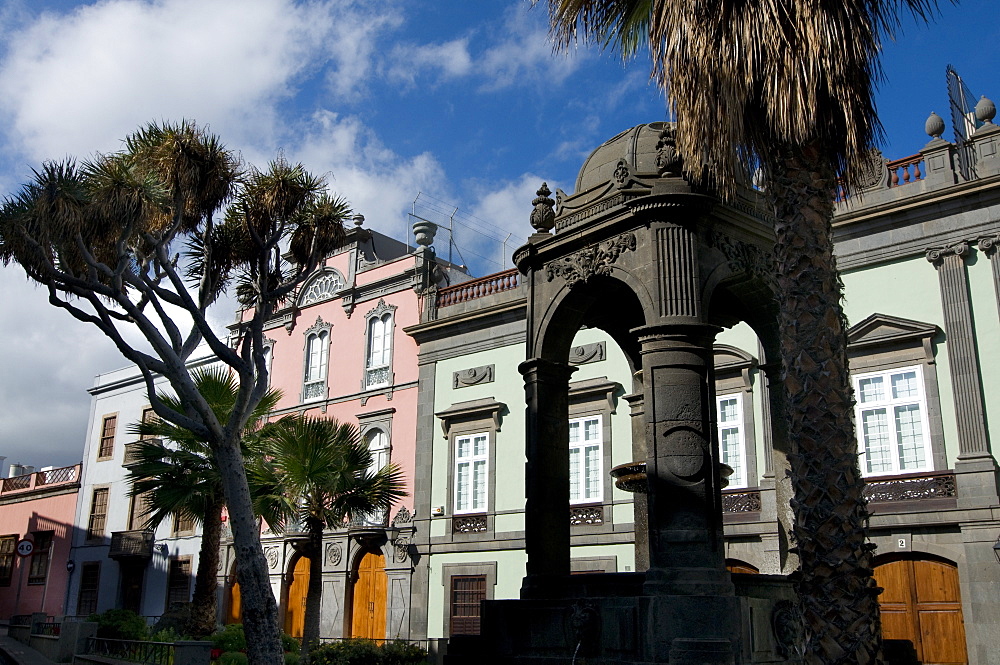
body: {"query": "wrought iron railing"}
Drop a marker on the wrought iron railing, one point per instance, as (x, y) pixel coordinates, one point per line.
(911, 487)
(586, 515)
(741, 501)
(47, 628)
(133, 651)
(468, 524)
(477, 288)
(137, 543)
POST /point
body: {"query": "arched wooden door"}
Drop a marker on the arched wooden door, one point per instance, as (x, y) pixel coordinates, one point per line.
(295, 603)
(921, 605)
(369, 594)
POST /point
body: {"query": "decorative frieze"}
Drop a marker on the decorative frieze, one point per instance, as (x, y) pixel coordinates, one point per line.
(586, 515)
(473, 376)
(744, 257)
(470, 524)
(587, 353)
(579, 267)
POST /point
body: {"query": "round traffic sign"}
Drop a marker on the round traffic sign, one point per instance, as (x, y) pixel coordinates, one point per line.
(25, 547)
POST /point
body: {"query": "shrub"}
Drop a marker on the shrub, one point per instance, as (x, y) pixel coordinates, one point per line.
(346, 652)
(289, 643)
(230, 638)
(291, 658)
(120, 625)
(166, 635)
(399, 652)
(233, 658)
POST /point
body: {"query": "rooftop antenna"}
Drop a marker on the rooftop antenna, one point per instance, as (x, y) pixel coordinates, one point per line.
(963, 120)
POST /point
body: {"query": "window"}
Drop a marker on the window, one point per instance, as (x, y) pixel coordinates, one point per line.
(183, 524)
(179, 581)
(107, 445)
(39, 567)
(471, 457)
(317, 356)
(378, 446)
(891, 422)
(378, 347)
(586, 460)
(138, 511)
(323, 287)
(90, 582)
(730, 426)
(467, 594)
(98, 513)
(7, 545)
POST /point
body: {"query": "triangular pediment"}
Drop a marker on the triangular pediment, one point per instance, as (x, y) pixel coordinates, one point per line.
(880, 329)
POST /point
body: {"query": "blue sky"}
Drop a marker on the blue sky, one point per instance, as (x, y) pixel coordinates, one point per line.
(462, 103)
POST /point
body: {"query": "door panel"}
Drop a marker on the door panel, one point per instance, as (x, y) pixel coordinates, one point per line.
(921, 604)
(234, 608)
(369, 598)
(295, 608)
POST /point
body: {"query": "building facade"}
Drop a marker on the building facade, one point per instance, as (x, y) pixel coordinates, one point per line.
(917, 252)
(37, 507)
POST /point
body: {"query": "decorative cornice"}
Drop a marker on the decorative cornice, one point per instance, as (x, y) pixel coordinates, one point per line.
(472, 410)
(380, 309)
(597, 259)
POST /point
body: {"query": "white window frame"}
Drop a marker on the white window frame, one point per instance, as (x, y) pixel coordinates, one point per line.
(314, 383)
(579, 473)
(890, 404)
(471, 460)
(739, 478)
(379, 357)
(380, 448)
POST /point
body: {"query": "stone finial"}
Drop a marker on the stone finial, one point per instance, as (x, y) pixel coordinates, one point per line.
(543, 217)
(358, 220)
(986, 110)
(423, 232)
(669, 162)
(934, 125)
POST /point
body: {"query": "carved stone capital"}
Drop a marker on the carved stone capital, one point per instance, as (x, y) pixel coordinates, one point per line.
(988, 245)
(938, 254)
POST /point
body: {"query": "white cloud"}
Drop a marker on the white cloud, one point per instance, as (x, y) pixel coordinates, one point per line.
(449, 60)
(79, 82)
(525, 54)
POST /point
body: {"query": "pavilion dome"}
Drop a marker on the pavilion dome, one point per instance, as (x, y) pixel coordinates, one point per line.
(637, 146)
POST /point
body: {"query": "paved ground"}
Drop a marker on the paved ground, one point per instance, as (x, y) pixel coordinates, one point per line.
(13, 652)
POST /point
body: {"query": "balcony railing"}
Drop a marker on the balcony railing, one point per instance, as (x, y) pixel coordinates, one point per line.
(478, 288)
(148, 653)
(131, 545)
(911, 487)
(741, 501)
(48, 478)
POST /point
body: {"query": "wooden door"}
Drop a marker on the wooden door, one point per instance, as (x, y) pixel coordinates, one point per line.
(921, 604)
(369, 595)
(234, 607)
(295, 605)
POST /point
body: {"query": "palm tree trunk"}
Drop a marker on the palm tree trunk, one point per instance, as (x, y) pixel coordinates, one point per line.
(314, 592)
(260, 611)
(204, 601)
(837, 593)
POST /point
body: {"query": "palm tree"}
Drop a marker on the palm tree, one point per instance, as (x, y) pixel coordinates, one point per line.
(317, 472)
(183, 480)
(786, 86)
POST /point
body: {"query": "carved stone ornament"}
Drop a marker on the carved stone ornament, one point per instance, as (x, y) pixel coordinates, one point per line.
(621, 173)
(323, 286)
(271, 554)
(747, 258)
(403, 516)
(334, 554)
(560, 197)
(872, 172)
(543, 217)
(587, 353)
(786, 624)
(937, 255)
(989, 245)
(597, 259)
(472, 376)
(669, 162)
(380, 309)
(402, 550)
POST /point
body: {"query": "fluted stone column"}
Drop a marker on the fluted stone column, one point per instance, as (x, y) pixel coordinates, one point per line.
(975, 468)
(988, 246)
(546, 514)
(778, 505)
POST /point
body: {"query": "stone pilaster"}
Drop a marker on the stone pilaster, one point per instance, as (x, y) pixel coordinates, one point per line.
(422, 485)
(546, 517)
(776, 503)
(640, 508)
(988, 246)
(975, 469)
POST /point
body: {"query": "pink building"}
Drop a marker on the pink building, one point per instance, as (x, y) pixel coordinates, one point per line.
(38, 507)
(338, 350)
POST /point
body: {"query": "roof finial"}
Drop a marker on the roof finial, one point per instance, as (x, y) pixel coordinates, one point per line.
(986, 110)
(934, 125)
(543, 217)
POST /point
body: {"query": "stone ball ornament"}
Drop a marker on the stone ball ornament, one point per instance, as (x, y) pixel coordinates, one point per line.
(986, 110)
(934, 125)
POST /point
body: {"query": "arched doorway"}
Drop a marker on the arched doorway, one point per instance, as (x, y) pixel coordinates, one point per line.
(234, 606)
(921, 609)
(295, 598)
(737, 566)
(368, 597)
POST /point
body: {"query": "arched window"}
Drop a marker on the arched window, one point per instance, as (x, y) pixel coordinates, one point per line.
(322, 287)
(378, 355)
(317, 355)
(378, 446)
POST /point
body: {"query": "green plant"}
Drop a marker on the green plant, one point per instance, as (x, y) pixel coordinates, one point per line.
(167, 635)
(399, 652)
(291, 658)
(289, 643)
(120, 625)
(233, 658)
(230, 638)
(346, 652)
